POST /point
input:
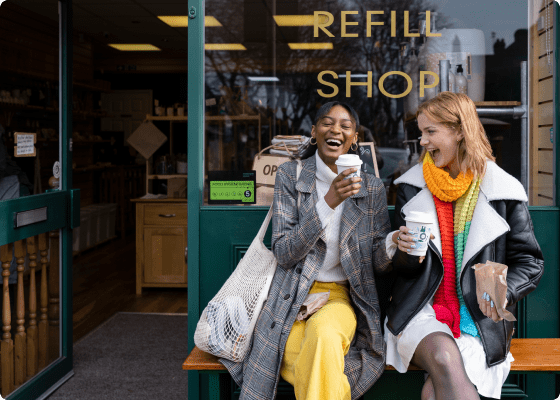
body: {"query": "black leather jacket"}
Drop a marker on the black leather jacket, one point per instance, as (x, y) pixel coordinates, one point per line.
(414, 283)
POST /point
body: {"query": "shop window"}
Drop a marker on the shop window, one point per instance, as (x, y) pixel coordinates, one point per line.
(271, 64)
(29, 97)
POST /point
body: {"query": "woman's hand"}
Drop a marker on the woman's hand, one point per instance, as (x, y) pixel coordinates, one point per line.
(488, 307)
(342, 188)
(406, 242)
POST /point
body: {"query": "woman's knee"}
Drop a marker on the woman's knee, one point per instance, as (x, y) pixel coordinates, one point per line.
(439, 354)
(445, 360)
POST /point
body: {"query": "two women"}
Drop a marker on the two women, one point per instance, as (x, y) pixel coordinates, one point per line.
(434, 319)
(333, 241)
(331, 234)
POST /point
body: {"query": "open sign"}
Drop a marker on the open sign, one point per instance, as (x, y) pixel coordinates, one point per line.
(266, 166)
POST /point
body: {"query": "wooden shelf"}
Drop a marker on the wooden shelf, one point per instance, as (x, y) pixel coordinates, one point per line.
(497, 103)
(207, 118)
(51, 78)
(480, 104)
(165, 118)
(15, 106)
(157, 176)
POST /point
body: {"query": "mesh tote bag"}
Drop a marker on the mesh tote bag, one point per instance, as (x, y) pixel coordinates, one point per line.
(225, 328)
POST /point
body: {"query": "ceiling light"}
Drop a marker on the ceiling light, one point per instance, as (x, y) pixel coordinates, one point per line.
(353, 76)
(263, 79)
(182, 21)
(311, 46)
(298, 20)
(134, 47)
(224, 46)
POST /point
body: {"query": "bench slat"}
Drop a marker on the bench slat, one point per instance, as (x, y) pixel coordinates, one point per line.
(529, 354)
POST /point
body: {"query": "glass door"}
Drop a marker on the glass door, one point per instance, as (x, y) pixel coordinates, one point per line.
(37, 204)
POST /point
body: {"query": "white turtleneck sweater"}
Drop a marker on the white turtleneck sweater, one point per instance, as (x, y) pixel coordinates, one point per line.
(331, 270)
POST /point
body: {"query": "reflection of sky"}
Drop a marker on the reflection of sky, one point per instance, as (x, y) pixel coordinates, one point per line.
(503, 17)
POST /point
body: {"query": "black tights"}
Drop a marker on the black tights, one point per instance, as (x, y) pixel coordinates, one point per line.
(439, 355)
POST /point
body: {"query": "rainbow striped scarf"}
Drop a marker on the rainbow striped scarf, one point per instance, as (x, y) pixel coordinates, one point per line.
(449, 304)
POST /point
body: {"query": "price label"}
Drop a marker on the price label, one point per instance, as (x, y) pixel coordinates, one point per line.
(25, 144)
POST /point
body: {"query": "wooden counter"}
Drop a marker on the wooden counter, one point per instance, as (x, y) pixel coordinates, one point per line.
(161, 243)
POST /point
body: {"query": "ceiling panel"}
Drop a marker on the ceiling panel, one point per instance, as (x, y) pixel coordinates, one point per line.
(122, 10)
(91, 24)
(145, 25)
(144, 2)
(101, 2)
(167, 9)
(48, 9)
(79, 12)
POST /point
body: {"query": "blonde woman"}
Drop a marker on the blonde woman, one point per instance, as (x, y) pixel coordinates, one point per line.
(434, 319)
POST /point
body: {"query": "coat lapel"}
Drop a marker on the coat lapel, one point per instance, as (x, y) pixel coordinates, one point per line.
(353, 212)
(486, 226)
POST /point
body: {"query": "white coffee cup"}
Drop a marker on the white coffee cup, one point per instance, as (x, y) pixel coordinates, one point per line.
(346, 161)
(421, 224)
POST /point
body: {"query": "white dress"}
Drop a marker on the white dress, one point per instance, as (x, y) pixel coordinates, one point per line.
(401, 348)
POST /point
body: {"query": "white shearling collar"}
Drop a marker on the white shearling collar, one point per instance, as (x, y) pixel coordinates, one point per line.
(497, 184)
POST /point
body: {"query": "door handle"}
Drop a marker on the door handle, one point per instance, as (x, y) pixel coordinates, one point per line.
(167, 215)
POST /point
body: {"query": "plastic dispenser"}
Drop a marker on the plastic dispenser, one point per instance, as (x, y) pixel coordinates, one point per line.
(461, 83)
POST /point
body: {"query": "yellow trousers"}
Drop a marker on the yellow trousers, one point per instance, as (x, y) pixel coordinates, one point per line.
(314, 356)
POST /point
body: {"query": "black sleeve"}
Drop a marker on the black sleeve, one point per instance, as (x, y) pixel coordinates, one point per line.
(403, 263)
(524, 257)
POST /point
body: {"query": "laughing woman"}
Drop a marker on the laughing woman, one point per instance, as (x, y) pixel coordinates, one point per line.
(434, 319)
(328, 234)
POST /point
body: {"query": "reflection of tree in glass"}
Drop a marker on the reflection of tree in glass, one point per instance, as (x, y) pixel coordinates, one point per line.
(296, 97)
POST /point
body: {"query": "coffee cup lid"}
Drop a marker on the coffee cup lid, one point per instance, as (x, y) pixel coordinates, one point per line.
(419, 216)
(349, 159)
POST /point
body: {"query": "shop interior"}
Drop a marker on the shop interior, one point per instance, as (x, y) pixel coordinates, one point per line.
(265, 89)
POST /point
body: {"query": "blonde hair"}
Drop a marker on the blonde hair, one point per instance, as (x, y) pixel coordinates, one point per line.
(458, 111)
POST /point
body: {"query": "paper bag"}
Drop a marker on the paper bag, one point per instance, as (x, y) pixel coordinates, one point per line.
(312, 303)
(491, 278)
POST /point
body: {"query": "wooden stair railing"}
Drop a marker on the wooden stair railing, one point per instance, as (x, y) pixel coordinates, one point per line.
(43, 355)
(54, 298)
(7, 345)
(21, 337)
(28, 352)
(32, 333)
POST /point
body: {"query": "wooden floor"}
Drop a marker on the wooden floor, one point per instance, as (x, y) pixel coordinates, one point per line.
(105, 283)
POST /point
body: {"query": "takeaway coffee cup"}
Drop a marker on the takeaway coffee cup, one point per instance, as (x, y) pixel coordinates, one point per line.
(346, 161)
(421, 224)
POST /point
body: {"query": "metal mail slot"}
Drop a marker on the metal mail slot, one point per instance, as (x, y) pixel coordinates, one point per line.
(29, 217)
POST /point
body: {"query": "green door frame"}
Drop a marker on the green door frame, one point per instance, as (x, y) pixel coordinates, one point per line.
(195, 132)
(63, 212)
(539, 310)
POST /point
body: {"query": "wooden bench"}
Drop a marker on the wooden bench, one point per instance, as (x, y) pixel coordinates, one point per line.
(531, 356)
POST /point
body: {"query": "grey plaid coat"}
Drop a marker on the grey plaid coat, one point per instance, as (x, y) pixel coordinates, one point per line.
(298, 242)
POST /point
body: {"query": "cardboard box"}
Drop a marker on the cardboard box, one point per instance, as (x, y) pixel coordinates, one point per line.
(176, 188)
(265, 195)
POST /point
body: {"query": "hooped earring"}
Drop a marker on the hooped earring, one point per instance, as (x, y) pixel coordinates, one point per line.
(351, 146)
(311, 141)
